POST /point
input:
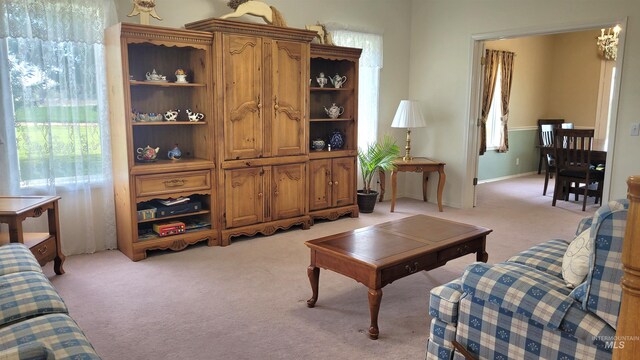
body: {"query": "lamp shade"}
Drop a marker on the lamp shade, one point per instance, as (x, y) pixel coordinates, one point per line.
(408, 115)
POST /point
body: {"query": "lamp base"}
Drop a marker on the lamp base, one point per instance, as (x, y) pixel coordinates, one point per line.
(407, 149)
(407, 158)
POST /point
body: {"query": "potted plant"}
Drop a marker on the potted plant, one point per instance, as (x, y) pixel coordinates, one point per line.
(378, 156)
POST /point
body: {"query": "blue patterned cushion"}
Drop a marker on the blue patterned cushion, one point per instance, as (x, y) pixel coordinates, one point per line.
(545, 257)
(30, 351)
(57, 331)
(520, 289)
(27, 294)
(17, 258)
(444, 299)
(607, 231)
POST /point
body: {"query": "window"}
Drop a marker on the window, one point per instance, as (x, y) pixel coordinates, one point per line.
(54, 107)
(494, 122)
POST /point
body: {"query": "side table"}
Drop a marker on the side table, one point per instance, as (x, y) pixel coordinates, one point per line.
(44, 246)
(417, 164)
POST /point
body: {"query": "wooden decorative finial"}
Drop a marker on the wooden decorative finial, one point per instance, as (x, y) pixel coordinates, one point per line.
(144, 8)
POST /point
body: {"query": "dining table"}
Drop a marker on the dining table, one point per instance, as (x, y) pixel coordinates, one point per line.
(598, 151)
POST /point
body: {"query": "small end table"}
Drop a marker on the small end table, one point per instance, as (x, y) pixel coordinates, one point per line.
(44, 246)
(417, 164)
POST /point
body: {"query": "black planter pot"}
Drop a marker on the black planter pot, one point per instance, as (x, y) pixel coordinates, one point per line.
(366, 202)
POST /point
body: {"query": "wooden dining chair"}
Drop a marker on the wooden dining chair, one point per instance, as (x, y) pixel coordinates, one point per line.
(543, 153)
(572, 153)
(546, 136)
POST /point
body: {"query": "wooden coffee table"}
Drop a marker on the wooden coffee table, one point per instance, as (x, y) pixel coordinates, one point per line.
(378, 255)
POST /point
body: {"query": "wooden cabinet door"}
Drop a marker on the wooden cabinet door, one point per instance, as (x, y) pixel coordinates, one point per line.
(242, 72)
(244, 196)
(343, 173)
(289, 77)
(319, 184)
(288, 190)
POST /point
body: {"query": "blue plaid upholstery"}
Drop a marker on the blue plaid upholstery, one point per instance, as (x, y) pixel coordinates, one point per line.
(545, 257)
(27, 294)
(30, 351)
(520, 289)
(521, 309)
(58, 332)
(604, 292)
(443, 303)
(17, 258)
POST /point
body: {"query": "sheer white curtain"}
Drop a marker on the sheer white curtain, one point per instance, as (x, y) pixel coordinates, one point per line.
(369, 78)
(54, 131)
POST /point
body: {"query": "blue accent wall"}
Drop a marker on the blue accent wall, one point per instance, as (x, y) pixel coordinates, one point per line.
(522, 145)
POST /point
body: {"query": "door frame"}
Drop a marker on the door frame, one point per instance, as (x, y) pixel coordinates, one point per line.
(474, 100)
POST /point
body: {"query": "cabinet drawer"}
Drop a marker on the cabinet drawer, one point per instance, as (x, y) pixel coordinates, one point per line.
(45, 251)
(459, 250)
(159, 184)
(408, 267)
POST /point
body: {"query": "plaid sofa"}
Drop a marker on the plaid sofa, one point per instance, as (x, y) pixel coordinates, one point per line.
(522, 309)
(34, 321)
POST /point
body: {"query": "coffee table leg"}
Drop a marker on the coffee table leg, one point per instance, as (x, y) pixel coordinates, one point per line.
(314, 276)
(482, 254)
(375, 296)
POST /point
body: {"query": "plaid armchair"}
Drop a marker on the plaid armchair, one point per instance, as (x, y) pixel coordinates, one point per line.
(522, 309)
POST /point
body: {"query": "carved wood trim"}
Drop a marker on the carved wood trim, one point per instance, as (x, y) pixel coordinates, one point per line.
(289, 54)
(290, 111)
(179, 244)
(265, 228)
(241, 50)
(240, 112)
(335, 213)
(239, 27)
(150, 33)
(331, 52)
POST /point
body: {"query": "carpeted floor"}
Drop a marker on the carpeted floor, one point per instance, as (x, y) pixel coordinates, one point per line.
(248, 300)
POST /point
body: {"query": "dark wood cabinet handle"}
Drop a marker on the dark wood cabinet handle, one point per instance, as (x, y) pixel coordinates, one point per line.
(411, 269)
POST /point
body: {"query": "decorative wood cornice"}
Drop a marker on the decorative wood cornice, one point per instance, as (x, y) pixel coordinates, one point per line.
(239, 27)
(160, 33)
(332, 52)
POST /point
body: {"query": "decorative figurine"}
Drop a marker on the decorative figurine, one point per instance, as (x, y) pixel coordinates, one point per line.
(322, 81)
(181, 76)
(269, 14)
(147, 154)
(175, 153)
(144, 8)
(171, 115)
(194, 116)
(334, 111)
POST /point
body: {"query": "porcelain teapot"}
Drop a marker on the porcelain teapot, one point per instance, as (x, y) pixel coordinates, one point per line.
(322, 81)
(154, 76)
(171, 115)
(147, 154)
(337, 81)
(334, 111)
(175, 153)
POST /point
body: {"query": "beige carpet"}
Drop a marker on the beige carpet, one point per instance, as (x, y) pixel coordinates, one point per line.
(248, 300)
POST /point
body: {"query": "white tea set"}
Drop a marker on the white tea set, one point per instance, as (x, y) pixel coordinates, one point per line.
(153, 76)
(337, 81)
(172, 115)
(334, 111)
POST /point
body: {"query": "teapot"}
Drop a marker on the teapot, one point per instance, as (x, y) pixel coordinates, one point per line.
(322, 81)
(338, 81)
(175, 153)
(171, 115)
(194, 116)
(334, 111)
(154, 76)
(147, 154)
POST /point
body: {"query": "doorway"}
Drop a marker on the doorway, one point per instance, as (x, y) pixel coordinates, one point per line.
(607, 130)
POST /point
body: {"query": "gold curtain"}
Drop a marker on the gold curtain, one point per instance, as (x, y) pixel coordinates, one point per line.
(506, 63)
(489, 84)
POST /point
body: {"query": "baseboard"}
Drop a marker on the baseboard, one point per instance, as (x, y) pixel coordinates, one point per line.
(507, 177)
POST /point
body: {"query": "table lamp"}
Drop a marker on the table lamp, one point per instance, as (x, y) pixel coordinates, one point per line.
(408, 116)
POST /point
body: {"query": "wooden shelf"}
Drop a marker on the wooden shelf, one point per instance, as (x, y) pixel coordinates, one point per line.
(165, 84)
(170, 165)
(174, 216)
(168, 123)
(330, 89)
(329, 119)
(325, 154)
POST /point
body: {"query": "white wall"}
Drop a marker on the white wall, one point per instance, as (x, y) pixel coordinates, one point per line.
(441, 47)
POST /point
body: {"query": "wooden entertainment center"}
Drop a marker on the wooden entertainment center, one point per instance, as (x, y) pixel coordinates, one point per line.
(249, 162)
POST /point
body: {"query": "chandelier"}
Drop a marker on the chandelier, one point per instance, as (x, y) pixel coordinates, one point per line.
(608, 43)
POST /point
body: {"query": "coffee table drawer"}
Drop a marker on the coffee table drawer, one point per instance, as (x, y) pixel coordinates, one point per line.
(456, 251)
(408, 267)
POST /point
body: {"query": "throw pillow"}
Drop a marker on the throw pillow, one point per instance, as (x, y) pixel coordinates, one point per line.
(575, 263)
